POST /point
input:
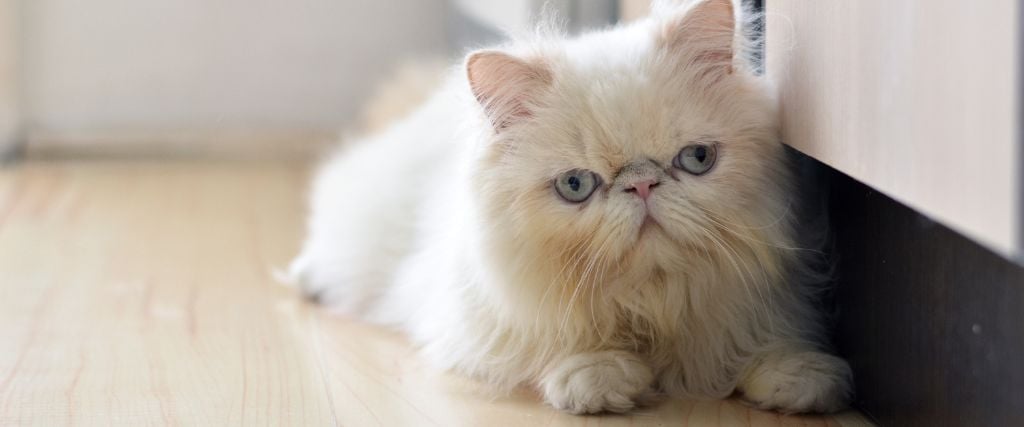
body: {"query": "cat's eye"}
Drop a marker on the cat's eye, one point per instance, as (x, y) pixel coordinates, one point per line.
(576, 185)
(696, 159)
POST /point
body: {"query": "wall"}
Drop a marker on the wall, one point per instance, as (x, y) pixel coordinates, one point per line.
(518, 15)
(9, 95)
(142, 67)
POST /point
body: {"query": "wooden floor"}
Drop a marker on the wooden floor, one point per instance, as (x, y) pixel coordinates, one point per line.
(140, 293)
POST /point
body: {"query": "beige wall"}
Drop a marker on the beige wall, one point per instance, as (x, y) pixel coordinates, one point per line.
(630, 10)
(9, 94)
(196, 65)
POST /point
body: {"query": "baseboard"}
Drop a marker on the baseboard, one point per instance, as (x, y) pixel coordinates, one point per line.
(204, 143)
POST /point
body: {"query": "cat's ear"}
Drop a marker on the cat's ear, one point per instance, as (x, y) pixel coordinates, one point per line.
(505, 86)
(703, 36)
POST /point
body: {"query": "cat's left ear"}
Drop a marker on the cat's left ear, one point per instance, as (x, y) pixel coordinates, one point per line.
(703, 36)
(507, 87)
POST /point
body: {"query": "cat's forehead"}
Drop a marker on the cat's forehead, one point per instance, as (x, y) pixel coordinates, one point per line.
(604, 141)
(619, 77)
(615, 100)
(616, 49)
(612, 148)
(624, 116)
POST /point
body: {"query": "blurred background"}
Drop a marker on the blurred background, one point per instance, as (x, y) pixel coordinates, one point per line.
(136, 253)
(226, 76)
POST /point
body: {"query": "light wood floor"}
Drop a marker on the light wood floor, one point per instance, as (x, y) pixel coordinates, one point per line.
(140, 293)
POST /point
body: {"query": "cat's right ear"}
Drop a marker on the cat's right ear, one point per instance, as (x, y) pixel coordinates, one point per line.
(506, 86)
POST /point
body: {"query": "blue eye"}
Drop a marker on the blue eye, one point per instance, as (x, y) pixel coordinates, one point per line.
(696, 159)
(577, 185)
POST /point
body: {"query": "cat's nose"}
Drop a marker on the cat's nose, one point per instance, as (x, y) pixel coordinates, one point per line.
(642, 188)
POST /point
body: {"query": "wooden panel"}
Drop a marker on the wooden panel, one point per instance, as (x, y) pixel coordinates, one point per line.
(140, 293)
(915, 98)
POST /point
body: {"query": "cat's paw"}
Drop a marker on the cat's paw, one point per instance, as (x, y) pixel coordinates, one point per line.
(611, 381)
(806, 381)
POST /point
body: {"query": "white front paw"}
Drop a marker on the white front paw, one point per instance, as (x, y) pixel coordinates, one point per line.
(588, 383)
(799, 382)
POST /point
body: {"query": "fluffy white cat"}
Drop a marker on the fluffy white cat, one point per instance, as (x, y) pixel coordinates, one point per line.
(605, 218)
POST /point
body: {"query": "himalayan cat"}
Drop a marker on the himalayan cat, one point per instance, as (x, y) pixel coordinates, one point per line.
(603, 218)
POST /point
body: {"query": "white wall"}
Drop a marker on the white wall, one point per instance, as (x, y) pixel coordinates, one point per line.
(502, 15)
(9, 93)
(105, 65)
(517, 15)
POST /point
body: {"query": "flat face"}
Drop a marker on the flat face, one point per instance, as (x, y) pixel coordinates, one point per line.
(624, 108)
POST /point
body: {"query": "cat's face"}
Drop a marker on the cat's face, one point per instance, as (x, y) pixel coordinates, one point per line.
(618, 157)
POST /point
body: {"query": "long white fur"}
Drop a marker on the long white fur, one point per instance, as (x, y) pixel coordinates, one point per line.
(447, 228)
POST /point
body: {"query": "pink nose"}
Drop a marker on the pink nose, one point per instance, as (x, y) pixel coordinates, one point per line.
(642, 188)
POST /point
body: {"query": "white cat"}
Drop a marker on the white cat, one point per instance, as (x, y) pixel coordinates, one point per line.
(605, 218)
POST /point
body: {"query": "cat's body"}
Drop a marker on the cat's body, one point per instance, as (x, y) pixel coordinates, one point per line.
(459, 226)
